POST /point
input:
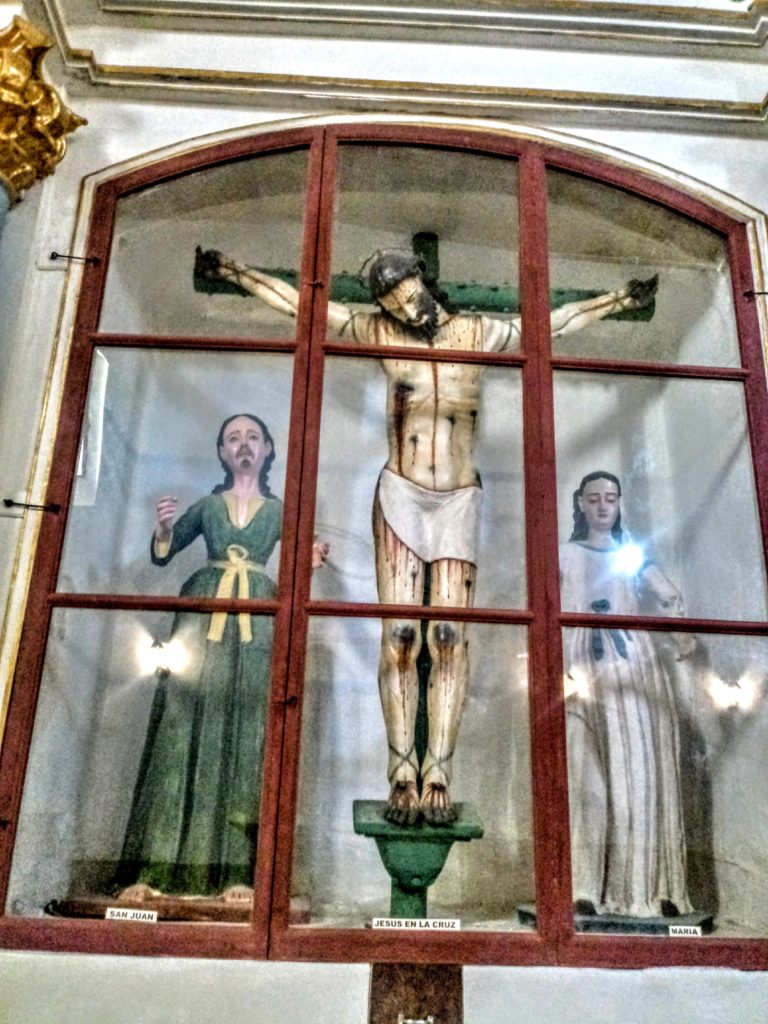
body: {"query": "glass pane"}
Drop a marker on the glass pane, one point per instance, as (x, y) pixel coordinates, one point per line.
(251, 211)
(151, 433)
(688, 512)
(458, 213)
(451, 488)
(146, 763)
(600, 239)
(338, 872)
(668, 812)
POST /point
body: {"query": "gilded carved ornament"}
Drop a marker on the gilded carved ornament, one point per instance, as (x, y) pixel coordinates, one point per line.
(33, 120)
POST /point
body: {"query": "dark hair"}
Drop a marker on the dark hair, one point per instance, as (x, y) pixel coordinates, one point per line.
(580, 528)
(266, 466)
(390, 267)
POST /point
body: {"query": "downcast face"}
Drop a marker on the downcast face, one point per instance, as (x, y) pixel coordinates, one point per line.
(411, 303)
(600, 503)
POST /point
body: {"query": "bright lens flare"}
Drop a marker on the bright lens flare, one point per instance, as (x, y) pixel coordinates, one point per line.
(576, 684)
(153, 656)
(742, 694)
(627, 559)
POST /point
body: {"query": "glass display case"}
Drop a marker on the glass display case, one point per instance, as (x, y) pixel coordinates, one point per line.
(252, 210)
(453, 652)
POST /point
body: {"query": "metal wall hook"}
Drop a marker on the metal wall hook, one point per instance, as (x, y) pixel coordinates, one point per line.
(94, 260)
(52, 506)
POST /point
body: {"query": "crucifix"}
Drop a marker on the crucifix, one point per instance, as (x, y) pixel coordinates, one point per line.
(428, 498)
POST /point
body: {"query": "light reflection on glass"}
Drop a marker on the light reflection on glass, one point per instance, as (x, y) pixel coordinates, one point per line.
(742, 694)
(576, 683)
(628, 559)
(155, 657)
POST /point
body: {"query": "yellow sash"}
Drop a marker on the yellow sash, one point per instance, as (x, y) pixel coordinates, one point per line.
(236, 567)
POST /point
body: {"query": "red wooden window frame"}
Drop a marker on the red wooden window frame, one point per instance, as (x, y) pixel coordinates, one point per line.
(270, 933)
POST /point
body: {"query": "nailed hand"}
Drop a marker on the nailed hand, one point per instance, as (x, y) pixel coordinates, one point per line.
(208, 264)
(642, 292)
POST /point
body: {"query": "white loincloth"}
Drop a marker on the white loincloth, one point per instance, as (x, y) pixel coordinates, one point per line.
(433, 524)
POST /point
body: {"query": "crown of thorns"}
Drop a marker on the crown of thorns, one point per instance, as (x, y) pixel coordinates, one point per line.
(387, 268)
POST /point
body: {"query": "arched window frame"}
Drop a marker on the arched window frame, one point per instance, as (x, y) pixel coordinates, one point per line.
(271, 933)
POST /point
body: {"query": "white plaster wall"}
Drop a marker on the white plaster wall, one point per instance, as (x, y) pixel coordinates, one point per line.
(42, 988)
(39, 988)
(734, 165)
(19, 225)
(683, 995)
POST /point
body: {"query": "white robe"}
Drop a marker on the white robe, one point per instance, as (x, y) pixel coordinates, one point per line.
(627, 836)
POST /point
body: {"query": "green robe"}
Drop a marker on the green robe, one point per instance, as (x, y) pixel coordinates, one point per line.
(194, 817)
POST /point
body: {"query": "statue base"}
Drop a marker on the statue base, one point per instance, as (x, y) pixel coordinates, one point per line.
(213, 909)
(414, 855)
(624, 924)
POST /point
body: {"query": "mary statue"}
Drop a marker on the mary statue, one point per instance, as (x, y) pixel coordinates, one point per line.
(627, 836)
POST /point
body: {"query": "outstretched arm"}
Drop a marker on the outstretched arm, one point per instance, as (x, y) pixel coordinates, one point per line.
(576, 315)
(215, 266)
(671, 601)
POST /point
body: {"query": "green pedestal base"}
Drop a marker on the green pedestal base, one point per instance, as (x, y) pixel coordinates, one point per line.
(414, 855)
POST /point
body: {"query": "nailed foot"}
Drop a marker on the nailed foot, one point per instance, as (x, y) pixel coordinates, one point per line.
(238, 894)
(138, 892)
(436, 804)
(403, 803)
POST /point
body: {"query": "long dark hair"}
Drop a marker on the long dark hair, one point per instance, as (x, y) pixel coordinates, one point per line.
(580, 528)
(266, 465)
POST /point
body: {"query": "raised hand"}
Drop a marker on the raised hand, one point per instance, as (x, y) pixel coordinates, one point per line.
(320, 551)
(165, 509)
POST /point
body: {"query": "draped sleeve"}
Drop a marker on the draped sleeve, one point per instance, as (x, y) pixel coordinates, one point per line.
(188, 526)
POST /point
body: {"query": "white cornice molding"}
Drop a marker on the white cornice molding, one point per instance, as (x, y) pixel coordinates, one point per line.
(322, 94)
(620, 22)
(87, 76)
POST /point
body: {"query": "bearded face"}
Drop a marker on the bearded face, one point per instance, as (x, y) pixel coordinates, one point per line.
(412, 305)
(243, 448)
